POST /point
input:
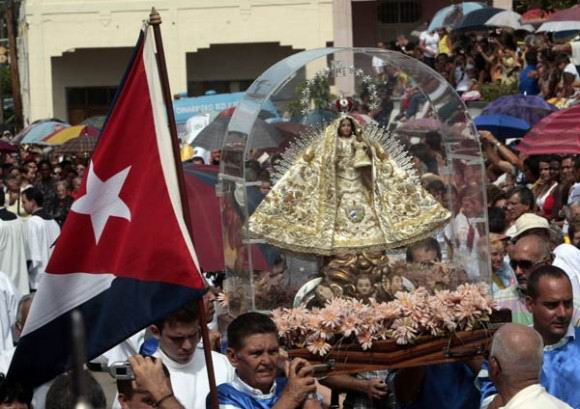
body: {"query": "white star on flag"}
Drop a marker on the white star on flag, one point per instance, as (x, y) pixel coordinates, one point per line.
(102, 200)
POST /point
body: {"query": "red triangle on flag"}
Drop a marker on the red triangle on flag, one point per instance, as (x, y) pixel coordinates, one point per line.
(127, 221)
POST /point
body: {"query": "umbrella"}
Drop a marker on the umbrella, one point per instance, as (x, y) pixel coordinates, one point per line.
(487, 18)
(212, 136)
(96, 121)
(502, 126)
(35, 132)
(530, 108)
(84, 143)
(563, 20)
(450, 15)
(7, 147)
(419, 126)
(535, 15)
(72, 132)
(558, 133)
(204, 206)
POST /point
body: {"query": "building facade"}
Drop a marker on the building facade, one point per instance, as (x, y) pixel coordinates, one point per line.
(72, 53)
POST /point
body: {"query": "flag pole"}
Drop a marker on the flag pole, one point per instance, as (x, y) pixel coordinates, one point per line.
(155, 22)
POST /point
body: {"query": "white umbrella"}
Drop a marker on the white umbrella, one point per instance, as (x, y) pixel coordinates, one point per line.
(557, 26)
(507, 18)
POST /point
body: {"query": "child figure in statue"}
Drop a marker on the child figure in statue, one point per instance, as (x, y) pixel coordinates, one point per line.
(364, 288)
(345, 192)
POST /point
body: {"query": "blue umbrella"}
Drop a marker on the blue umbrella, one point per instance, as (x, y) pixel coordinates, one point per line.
(450, 15)
(502, 126)
(36, 132)
(530, 108)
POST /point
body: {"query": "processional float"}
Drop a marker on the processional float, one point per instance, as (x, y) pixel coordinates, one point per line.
(347, 211)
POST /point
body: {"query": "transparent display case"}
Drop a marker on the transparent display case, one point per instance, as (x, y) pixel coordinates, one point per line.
(399, 204)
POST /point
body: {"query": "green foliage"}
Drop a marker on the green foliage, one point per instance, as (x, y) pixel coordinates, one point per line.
(493, 90)
(320, 96)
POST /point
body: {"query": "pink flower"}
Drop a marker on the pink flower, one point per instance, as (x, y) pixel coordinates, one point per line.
(350, 325)
(365, 339)
(318, 346)
(330, 316)
(403, 331)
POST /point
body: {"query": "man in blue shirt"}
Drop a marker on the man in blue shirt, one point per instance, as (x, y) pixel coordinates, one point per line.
(254, 350)
(550, 300)
(529, 75)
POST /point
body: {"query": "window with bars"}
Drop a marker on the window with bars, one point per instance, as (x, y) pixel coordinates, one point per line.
(399, 11)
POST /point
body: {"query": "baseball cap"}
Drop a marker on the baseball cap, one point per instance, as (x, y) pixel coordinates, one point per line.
(525, 222)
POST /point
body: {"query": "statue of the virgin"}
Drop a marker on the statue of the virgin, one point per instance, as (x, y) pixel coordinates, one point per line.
(346, 189)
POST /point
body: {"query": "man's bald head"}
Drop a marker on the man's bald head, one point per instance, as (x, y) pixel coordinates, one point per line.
(517, 353)
(534, 245)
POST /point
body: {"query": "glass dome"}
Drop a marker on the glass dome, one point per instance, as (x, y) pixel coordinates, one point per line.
(403, 111)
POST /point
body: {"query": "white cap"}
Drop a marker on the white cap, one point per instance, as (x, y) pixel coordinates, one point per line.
(525, 222)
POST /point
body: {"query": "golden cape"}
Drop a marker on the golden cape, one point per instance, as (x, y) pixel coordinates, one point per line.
(304, 213)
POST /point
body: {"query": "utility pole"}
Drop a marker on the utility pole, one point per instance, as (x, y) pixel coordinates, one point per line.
(16, 96)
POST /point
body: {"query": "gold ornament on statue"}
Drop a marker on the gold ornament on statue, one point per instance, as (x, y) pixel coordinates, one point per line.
(345, 189)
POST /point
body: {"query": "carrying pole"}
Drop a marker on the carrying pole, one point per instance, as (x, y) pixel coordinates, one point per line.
(155, 22)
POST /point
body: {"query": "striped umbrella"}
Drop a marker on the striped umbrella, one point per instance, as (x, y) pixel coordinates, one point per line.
(82, 144)
(66, 134)
(563, 20)
(558, 133)
(35, 132)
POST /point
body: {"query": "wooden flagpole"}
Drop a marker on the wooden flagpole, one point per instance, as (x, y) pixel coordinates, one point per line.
(155, 22)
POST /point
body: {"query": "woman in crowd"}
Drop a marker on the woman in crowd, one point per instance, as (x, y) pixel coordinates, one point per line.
(544, 187)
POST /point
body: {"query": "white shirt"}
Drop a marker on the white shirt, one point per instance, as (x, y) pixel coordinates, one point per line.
(39, 238)
(431, 43)
(248, 390)
(378, 65)
(574, 194)
(535, 397)
(9, 298)
(189, 381)
(461, 79)
(13, 254)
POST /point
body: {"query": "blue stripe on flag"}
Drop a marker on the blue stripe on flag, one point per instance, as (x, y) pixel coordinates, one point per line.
(111, 317)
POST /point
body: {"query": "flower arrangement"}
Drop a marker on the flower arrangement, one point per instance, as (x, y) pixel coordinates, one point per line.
(407, 317)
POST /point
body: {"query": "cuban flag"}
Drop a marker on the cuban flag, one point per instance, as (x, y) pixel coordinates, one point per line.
(124, 257)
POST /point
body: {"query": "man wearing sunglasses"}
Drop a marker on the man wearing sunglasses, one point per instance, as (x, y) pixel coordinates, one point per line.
(528, 252)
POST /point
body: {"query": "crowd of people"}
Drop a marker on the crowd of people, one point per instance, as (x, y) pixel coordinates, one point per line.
(529, 63)
(533, 241)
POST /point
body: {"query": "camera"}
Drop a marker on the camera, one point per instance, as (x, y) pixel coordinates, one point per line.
(121, 370)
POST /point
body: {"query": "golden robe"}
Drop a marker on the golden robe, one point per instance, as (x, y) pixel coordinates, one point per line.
(324, 205)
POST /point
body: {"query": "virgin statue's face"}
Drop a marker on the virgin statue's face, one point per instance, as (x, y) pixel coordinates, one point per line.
(345, 128)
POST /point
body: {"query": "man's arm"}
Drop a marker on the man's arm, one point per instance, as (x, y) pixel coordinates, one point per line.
(373, 388)
(503, 150)
(149, 376)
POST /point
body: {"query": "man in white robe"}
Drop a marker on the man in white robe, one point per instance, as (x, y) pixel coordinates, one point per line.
(12, 252)
(8, 306)
(40, 234)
